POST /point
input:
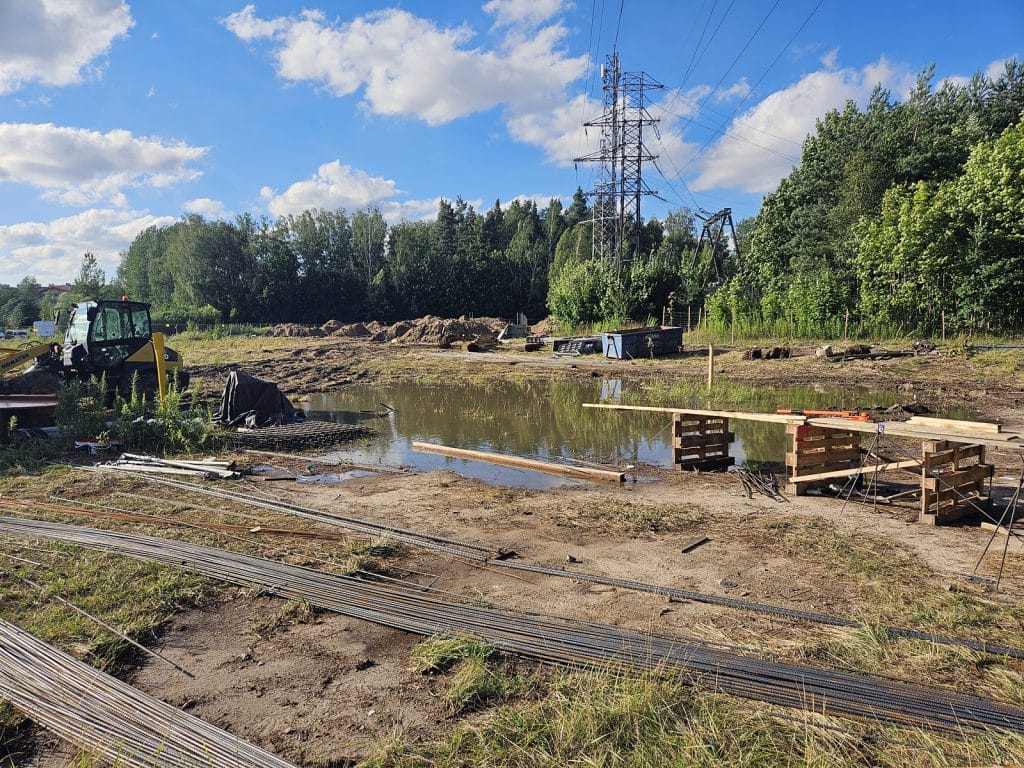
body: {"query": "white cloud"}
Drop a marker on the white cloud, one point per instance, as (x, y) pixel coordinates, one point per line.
(206, 207)
(407, 65)
(993, 71)
(55, 42)
(828, 61)
(79, 167)
(525, 12)
(784, 117)
(335, 186)
(52, 251)
(737, 90)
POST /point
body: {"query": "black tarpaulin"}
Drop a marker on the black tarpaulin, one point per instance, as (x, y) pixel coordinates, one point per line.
(252, 402)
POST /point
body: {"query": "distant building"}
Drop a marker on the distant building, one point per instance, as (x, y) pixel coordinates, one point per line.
(52, 288)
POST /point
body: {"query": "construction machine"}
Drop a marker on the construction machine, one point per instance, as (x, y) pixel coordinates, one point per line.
(107, 338)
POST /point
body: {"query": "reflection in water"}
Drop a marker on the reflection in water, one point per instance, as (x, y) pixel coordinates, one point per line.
(543, 419)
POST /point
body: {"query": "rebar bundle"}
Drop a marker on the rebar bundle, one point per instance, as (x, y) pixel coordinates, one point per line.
(478, 553)
(109, 718)
(559, 640)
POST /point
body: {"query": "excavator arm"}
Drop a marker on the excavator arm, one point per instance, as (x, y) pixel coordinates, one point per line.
(13, 361)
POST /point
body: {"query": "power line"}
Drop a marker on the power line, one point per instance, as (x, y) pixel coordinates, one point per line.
(764, 74)
(738, 137)
(618, 24)
(738, 55)
(711, 39)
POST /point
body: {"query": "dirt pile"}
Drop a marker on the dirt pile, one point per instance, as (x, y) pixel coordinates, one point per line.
(441, 332)
(295, 329)
(354, 329)
(546, 327)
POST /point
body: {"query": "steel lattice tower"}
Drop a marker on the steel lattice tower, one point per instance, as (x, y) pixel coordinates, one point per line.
(622, 154)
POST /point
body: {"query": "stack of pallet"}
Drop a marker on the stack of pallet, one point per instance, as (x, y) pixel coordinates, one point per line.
(701, 442)
(953, 477)
(818, 451)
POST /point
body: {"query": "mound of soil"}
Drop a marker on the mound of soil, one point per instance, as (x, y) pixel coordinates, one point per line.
(295, 329)
(355, 329)
(441, 332)
(331, 326)
(546, 327)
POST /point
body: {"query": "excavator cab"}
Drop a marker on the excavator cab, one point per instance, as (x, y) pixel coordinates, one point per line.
(114, 338)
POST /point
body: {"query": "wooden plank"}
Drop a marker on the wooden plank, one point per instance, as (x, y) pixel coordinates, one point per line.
(958, 453)
(683, 455)
(960, 511)
(773, 418)
(956, 493)
(804, 446)
(821, 457)
(691, 441)
(956, 425)
(1000, 529)
(721, 462)
(804, 431)
(581, 473)
(867, 469)
(959, 478)
(899, 429)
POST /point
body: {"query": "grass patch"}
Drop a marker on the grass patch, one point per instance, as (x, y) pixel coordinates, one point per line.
(478, 677)
(600, 719)
(135, 597)
(890, 587)
(633, 516)
(293, 612)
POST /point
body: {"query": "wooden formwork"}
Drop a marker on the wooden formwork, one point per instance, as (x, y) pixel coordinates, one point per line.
(819, 450)
(701, 442)
(953, 479)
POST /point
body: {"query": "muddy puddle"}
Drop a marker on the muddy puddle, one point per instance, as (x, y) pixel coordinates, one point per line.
(545, 420)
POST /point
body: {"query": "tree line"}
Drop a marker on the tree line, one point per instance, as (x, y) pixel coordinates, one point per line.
(901, 217)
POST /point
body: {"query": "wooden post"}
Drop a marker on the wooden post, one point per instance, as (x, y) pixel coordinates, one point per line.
(943, 325)
(689, 318)
(711, 366)
(846, 326)
(734, 325)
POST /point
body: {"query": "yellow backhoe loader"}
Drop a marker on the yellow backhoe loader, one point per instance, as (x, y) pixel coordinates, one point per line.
(111, 339)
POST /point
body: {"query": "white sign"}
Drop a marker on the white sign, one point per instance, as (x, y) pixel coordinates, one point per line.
(43, 327)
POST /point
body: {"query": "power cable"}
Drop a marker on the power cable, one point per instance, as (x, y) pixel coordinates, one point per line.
(764, 74)
(618, 25)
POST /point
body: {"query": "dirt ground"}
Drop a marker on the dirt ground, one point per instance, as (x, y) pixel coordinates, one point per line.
(325, 690)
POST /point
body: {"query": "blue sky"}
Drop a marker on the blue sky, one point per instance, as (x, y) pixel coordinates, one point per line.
(115, 116)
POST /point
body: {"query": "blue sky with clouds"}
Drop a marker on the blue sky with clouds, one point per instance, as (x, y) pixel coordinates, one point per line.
(115, 116)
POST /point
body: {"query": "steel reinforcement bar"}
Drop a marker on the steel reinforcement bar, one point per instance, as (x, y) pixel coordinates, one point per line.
(559, 640)
(108, 718)
(472, 551)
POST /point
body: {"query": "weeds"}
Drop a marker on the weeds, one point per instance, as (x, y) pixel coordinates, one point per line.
(603, 719)
(478, 679)
(291, 613)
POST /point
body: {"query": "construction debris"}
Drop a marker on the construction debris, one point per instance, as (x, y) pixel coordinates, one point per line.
(206, 468)
(767, 353)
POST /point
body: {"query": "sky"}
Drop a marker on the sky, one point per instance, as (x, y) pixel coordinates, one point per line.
(116, 116)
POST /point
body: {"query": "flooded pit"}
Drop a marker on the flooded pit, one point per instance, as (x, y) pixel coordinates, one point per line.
(546, 420)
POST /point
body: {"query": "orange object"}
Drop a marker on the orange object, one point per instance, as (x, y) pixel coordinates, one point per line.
(851, 415)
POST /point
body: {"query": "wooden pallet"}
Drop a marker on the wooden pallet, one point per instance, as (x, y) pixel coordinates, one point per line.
(817, 451)
(701, 442)
(953, 479)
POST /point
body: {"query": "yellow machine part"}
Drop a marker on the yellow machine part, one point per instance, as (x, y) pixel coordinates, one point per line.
(145, 355)
(12, 361)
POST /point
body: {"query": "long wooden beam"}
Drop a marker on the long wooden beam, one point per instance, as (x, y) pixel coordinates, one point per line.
(579, 473)
(865, 470)
(774, 418)
(903, 429)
